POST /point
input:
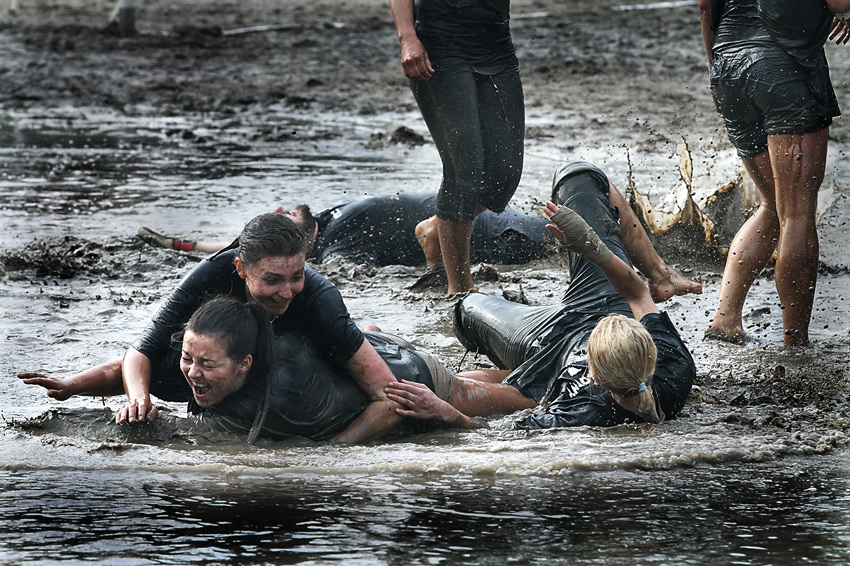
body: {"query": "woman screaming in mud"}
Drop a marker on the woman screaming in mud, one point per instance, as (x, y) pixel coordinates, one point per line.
(267, 267)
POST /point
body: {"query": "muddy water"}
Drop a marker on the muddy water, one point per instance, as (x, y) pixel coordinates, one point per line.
(754, 472)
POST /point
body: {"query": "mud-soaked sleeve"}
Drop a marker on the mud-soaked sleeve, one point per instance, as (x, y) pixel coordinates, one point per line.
(510, 237)
(321, 312)
(579, 403)
(675, 369)
(209, 278)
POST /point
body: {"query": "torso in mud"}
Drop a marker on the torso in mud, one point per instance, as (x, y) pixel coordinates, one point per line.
(791, 32)
(381, 230)
(469, 35)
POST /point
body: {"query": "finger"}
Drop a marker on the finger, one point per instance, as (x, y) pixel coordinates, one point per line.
(30, 375)
(132, 412)
(121, 416)
(152, 414)
(396, 398)
(555, 231)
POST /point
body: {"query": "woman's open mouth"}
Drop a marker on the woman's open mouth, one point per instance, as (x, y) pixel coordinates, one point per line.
(199, 389)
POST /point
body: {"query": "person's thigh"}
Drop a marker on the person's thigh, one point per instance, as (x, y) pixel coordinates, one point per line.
(449, 105)
(501, 112)
(504, 331)
(586, 192)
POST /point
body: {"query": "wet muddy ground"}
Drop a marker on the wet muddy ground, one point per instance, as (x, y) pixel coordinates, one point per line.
(196, 124)
(621, 85)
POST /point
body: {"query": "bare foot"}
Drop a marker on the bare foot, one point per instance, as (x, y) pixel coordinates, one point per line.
(426, 235)
(57, 388)
(372, 328)
(670, 283)
(725, 328)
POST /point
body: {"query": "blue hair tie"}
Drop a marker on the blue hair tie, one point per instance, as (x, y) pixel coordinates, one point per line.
(642, 387)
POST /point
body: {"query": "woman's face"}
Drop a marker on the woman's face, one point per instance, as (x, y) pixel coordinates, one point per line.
(273, 282)
(210, 372)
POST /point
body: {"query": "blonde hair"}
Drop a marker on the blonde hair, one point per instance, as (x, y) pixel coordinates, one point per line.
(621, 356)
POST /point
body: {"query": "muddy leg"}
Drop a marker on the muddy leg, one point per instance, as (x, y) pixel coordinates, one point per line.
(798, 162)
(750, 251)
(664, 281)
(486, 375)
(455, 238)
(426, 235)
(480, 398)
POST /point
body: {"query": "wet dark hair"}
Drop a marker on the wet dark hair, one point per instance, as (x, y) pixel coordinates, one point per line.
(242, 328)
(270, 235)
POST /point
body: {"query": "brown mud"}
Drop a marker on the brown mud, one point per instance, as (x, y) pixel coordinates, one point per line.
(627, 87)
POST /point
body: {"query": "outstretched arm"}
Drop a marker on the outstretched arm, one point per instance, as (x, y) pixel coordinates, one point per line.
(571, 229)
(103, 380)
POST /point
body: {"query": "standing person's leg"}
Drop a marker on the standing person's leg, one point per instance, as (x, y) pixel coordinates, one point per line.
(799, 162)
(502, 117)
(455, 237)
(749, 253)
(449, 105)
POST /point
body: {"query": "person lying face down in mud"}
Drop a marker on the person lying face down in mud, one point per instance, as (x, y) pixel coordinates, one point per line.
(602, 356)
(396, 230)
(268, 269)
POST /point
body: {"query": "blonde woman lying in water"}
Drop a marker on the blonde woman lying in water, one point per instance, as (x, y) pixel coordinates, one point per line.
(604, 355)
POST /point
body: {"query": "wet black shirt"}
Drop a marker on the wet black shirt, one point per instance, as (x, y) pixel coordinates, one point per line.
(318, 311)
(466, 35)
(557, 377)
(312, 397)
(381, 230)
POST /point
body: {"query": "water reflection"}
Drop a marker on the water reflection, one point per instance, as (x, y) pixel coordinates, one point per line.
(786, 512)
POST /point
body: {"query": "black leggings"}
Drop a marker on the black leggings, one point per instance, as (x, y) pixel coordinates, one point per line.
(478, 124)
(509, 333)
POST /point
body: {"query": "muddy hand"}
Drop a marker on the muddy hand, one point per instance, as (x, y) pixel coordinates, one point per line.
(416, 400)
(415, 60)
(137, 411)
(57, 388)
(577, 235)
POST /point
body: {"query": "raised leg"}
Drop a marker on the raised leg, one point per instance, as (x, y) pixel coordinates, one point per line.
(664, 281)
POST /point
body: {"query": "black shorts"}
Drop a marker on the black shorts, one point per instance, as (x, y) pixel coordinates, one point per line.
(768, 100)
